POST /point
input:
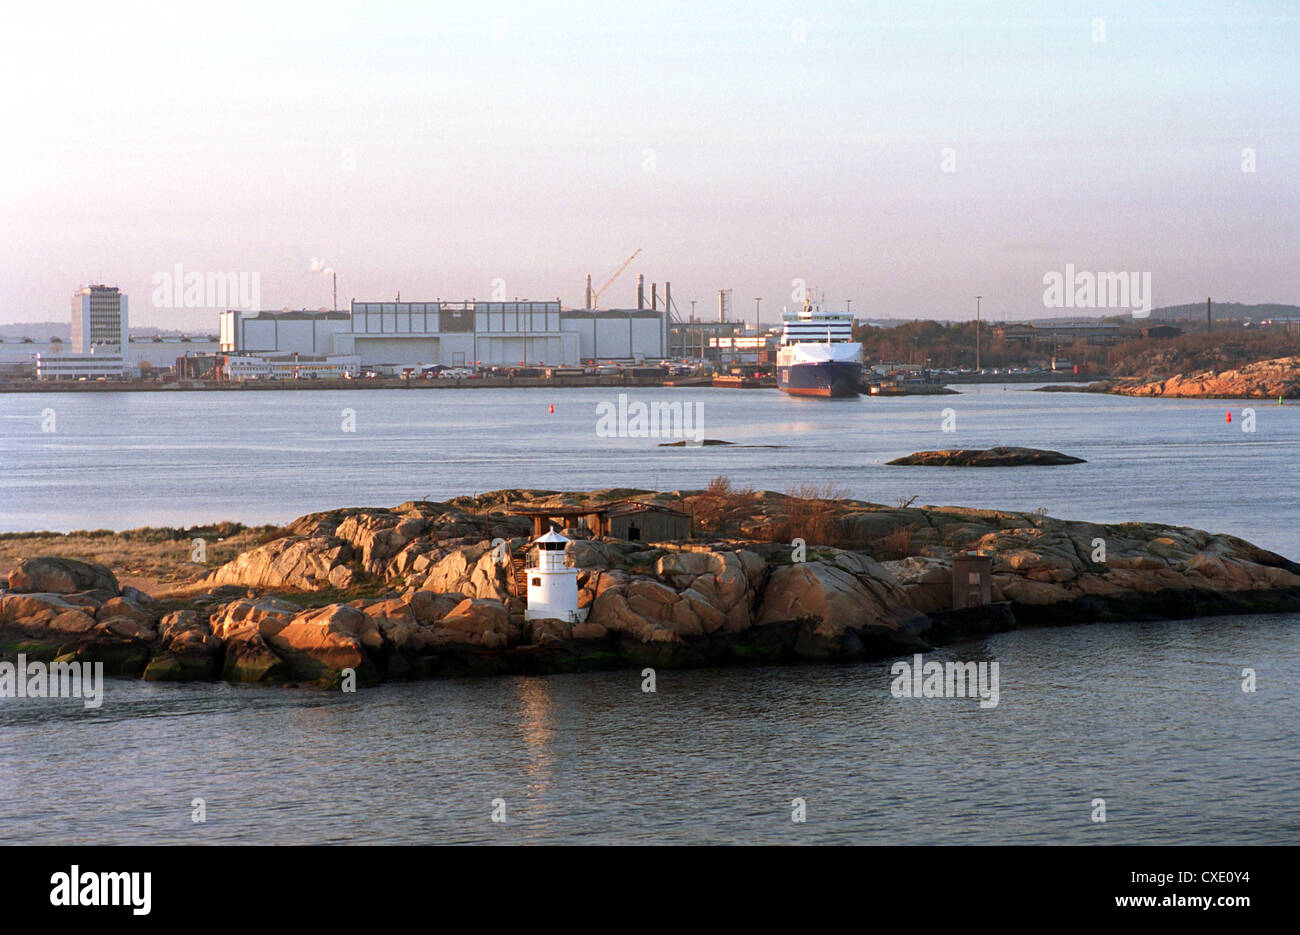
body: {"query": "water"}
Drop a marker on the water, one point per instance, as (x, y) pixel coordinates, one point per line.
(1150, 717)
(119, 460)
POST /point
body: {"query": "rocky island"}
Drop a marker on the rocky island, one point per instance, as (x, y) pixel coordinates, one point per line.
(421, 589)
(998, 456)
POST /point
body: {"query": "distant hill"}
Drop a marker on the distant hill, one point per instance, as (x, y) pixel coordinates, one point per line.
(44, 330)
(37, 330)
(1195, 311)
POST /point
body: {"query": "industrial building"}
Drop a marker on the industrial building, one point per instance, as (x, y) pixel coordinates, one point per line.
(287, 367)
(1091, 332)
(455, 334)
(283, 332)
(91, 366)
(622, 334)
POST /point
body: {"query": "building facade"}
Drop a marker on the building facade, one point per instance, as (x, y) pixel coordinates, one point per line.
(284, 332)
(287, 367)
(455, 334)
(91, 366)
(458, 334)
(99, 318)
(623, 334)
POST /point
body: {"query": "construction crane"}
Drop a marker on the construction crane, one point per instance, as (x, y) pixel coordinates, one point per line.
(594, 297)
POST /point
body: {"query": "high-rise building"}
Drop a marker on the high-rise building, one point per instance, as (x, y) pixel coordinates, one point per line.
(98, 319)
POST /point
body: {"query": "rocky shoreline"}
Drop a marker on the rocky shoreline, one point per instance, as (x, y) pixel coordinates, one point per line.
(1264, 379)
(420, 590)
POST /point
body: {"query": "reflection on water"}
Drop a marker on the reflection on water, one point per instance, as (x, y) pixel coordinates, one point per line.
(1149, 716)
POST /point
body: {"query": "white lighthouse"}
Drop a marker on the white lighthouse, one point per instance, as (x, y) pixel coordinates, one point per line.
(552, 585)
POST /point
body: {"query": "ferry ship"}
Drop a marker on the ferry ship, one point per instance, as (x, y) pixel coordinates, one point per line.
(817, 355)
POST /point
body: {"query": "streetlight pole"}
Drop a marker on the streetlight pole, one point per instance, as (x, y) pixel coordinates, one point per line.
(977, 332)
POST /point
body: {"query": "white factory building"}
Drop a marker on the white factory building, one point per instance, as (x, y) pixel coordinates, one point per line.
(90, 366)
(283, 332)
(288, 367)
(456, 334)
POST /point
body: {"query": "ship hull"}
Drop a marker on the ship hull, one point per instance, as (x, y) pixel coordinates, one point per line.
(829, 379)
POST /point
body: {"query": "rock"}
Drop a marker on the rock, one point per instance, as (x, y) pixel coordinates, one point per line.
(250, 659)
(265, 614)
(191, 652)
(72, 622)
(321, 642)
(1262, 379)
(122, 608)
(395, 620)
(482, 621)
(1000, 456)
(429, 608)
(183, 667)
(303, 564)
(136, 597)
(57, 575)
(836, 601)
(33, 609)
(470, 570)
(342, 577)
(926, 582)
(130, 628)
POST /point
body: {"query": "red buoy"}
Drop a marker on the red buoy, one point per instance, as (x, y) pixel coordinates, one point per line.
(553, 410)
(1229, 415)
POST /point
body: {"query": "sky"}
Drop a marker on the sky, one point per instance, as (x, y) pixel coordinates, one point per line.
(904, 157)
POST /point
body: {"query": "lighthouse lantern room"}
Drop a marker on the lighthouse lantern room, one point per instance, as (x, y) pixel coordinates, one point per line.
(552, 585)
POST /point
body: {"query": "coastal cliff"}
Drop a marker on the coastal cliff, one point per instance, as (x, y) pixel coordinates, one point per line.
(420, 590)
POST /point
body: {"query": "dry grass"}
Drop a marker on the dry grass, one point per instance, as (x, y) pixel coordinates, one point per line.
(144, 557)
(809, 515)
(896, 545)
(721, 509)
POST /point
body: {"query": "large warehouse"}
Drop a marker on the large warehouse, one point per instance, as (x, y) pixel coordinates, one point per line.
(285, 332)
(409, 334)
(457, 334)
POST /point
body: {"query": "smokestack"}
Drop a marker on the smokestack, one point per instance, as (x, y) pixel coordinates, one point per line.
(721, 307)
(668, 297)
(336, 292)
(640, 291)
(654, 296)
(1209, 324)
(589, 291)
